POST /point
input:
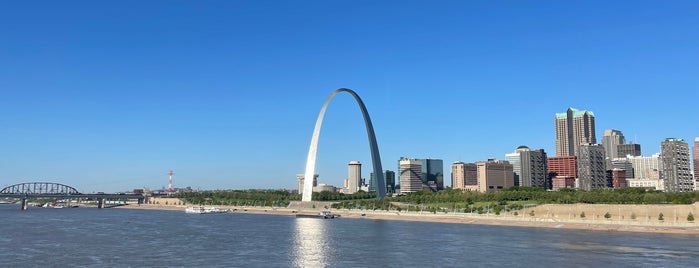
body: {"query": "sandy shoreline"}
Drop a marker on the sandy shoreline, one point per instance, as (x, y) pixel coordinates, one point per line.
(462, 218)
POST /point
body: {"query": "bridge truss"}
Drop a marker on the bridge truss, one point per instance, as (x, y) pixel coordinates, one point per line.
(43, 188)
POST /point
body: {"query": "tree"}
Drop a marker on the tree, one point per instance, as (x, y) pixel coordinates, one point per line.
(690, 217)
(633, 215)
(582, 215)
(531, 213)
(607, 215)
(661, 217)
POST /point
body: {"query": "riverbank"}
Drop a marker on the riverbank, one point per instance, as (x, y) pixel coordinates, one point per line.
(549, 220)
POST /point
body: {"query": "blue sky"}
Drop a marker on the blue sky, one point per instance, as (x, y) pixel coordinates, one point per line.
(108, 96)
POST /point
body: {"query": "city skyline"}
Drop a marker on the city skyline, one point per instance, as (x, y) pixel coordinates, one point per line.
(220, 92)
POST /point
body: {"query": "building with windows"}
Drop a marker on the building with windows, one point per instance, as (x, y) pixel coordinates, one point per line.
(464, 176)
(494, 175)
(574, 127)
(534, 172)
(592, 173)
(389, 177)
(624, 164)
(645, 167)
(410, 171)
(432, 174)
(675, 172)
(628, 149)
(610, 140)
(354, 177)
(565, 166)
(514, 159)
(695, 161)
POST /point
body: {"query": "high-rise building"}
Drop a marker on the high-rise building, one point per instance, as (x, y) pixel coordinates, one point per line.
(695, 155)
(574, 127)
(631, 149)
(534, 172)
(514, 159)
(623, 164)
(464, 176)
(645, 167)
(432, 174)
(610, 140)
(592, 173)
(354, 177)
(301, 177)
(675, 172)
(565, 166)
(389, 177)
(494, 175)
(618, 178)
(410, 172)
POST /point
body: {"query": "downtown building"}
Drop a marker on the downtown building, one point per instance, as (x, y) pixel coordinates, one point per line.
(573, 128)
(410, 172)
(631, 149)
(675, 172)
(695, 155)
(611, 139)
(432, 174)
(562, 171)
(514, 159)
(390, 179)
(534, 170)
(464, 176)
(592, 172)
(301, 179)
(354, 177)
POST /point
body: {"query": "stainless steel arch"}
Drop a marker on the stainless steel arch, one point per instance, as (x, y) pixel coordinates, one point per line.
(375, 157)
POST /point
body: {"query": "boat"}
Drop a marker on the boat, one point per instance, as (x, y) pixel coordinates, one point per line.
(204, 210)
(320, 215)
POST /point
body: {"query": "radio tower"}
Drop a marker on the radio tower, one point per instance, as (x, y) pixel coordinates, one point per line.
(169, 186)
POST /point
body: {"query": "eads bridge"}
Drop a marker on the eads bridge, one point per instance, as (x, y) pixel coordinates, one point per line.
(34, 190)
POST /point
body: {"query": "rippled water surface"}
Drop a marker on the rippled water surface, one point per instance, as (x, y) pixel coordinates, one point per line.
(90, 237)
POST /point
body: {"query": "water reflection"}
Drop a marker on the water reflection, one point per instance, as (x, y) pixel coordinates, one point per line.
(310, 245)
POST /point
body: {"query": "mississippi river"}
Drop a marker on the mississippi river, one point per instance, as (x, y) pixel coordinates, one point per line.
(90, 237)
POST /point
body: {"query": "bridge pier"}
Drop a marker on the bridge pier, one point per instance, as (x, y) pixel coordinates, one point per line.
(100, 202)
(25, 205)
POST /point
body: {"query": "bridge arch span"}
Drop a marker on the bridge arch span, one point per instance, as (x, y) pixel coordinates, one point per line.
(39, 188)
(375, 157)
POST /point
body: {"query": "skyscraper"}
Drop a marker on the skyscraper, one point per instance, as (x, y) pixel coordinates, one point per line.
(610, 140)
(674, 155)
(592, 172)
(514, 159)
(354, 177)
(533, 168)
(564, 166)
(432, 173)
(389, 177)
(574, 127)
(645, 167)
(494, 175)
(695, 155)
(410, 172)
(631, 149)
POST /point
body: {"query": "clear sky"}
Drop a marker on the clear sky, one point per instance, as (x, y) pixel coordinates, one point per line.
(110, 96)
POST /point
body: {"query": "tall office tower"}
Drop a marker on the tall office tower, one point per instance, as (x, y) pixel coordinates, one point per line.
(464, 176)
(610, 140)
(410, 172)
(574, 127)
(562, 166)
(354, 177)
(514, 159)
(534, 170)
(645, 167)
(631, 149)
(625, 165)
(674, 154)
(389, 177)
(432, 174)
(592, 172)
(695, 155)
(494, 175)
(301, 177)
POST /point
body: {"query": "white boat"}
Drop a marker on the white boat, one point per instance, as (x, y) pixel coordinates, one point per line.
(204, 210)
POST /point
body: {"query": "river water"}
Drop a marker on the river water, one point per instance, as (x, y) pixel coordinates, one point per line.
(90, 237)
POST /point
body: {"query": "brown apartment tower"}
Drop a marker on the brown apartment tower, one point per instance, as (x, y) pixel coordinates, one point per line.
(574, 127)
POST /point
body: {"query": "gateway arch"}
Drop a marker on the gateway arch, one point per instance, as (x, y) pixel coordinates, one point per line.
(375, 157)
